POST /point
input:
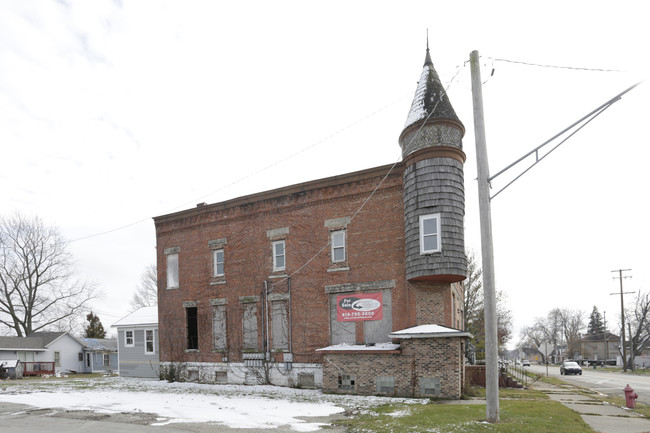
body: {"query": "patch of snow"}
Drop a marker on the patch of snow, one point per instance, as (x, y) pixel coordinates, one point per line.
(399, 413)
(235, 406)
(361, 347)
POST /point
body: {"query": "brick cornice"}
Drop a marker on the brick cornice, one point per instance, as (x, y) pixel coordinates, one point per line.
(284, 192)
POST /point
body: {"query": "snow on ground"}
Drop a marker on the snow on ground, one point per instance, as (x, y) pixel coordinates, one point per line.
(236, 406)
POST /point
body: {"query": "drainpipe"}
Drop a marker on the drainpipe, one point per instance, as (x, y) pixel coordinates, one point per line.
(267, 351)
(290, 329)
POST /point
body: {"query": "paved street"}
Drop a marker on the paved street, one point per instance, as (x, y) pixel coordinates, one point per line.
(606, 382)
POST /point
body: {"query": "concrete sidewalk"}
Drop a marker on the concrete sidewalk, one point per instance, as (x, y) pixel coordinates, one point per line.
(600, 416)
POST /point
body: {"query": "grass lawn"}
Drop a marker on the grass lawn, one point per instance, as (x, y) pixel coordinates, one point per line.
(520, 410)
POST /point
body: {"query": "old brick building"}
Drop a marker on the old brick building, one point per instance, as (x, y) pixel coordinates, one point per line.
(352, 282)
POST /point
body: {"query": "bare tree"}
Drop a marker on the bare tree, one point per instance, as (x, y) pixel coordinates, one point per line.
(474, 308)
(637, 319)
(560, 326)
(38, 288)
(572, 322)
(533, 336)
(146, 293)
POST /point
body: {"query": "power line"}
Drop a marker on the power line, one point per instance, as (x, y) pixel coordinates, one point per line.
(539, 65)
(241, 179)
(390, 170)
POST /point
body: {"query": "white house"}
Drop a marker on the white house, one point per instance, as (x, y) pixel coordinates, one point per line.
(44, 352)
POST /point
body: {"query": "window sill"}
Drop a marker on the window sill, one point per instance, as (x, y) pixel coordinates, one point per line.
(172, 288)
(342, 269)
(191, 350)
(218, 281)
(277, 275)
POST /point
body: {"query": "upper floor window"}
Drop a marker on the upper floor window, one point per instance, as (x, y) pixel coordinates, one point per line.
(217, 260)
(128, 339)
(430, 234)
(171, 255)
(279, 259)
(338, 246)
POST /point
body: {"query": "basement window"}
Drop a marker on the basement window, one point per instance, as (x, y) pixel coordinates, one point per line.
(385, 385)
(192, 328)
(346, 382)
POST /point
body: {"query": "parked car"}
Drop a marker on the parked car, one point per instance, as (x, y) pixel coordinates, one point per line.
(570, 367)
(525, 363)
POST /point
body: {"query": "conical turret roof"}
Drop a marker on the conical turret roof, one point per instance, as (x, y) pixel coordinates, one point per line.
(430, 101)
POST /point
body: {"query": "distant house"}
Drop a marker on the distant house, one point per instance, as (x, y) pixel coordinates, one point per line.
(600, 346)
(44, 352)
(137, 343)
(100, 355)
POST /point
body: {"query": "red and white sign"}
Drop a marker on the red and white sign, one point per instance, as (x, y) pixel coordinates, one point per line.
(360, 306)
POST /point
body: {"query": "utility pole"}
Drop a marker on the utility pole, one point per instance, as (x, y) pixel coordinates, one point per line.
(605, 335)
(489, 297)
(620, 278)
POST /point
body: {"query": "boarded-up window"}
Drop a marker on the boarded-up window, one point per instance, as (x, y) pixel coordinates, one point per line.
(172, 271)
(279, 325)
(385, 385)
(376, 331)
(340, 332)
(250, 326)
(221, 376)
(219, 327)
(430, 386)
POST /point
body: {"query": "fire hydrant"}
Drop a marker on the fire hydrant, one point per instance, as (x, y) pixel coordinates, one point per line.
(630, 397)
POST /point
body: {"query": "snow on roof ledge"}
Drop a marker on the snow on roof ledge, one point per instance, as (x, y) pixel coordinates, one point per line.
(344, 347)
(430, 331)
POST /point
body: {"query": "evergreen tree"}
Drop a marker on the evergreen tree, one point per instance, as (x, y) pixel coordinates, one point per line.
(596, 324)
(95, 329)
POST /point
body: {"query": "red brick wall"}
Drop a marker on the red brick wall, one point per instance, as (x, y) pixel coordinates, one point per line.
(374, 248)
(440, 358)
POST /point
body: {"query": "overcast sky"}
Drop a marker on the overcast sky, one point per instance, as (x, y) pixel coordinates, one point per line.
(113, 112)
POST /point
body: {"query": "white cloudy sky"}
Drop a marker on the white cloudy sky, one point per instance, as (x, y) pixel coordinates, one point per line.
(112, 112)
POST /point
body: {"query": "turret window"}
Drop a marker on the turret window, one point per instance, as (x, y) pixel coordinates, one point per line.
(430, 234)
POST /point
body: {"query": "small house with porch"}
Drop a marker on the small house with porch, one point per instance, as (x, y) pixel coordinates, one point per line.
(44, 352)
